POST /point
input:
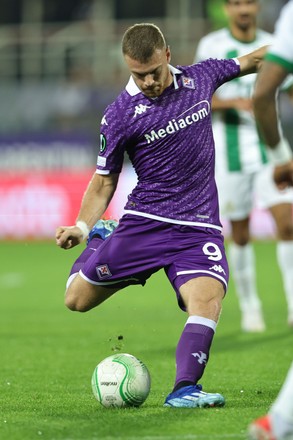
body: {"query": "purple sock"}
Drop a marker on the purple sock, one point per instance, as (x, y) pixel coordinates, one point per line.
(84, 256)
(192, 353)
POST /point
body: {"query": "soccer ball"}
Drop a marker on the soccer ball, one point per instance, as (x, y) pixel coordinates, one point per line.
(121, 380)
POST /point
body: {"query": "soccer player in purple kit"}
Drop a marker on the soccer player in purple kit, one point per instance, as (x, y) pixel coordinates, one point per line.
(162, 119)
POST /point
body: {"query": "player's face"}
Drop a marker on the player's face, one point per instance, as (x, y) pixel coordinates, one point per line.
(153, 77)
(242, 13)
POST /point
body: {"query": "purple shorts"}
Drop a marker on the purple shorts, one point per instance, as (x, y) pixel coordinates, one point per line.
(140, 246)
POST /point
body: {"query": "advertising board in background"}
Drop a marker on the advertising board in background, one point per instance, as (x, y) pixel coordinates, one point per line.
(43, 179)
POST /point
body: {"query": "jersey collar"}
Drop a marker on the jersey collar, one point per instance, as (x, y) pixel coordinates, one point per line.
(133, 90)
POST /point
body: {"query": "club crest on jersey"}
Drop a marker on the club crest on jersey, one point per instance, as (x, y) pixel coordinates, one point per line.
(188, 82)
(103, 271)
(139, 109)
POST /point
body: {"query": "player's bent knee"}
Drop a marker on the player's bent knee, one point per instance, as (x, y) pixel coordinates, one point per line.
(75, 300)
(75, 304)
(82, 296)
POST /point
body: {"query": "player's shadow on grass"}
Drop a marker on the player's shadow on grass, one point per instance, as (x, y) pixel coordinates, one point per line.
(232, 341)
(237, 341)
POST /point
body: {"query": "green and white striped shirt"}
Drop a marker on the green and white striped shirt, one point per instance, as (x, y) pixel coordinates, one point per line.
(238, 146)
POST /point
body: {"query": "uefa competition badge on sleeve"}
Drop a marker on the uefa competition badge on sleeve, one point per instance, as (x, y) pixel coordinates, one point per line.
(103, 143)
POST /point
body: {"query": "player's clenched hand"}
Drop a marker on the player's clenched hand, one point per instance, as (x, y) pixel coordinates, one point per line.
(68, 236)
(283, 175)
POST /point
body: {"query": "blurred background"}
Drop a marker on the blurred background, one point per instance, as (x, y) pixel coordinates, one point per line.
(60, 65)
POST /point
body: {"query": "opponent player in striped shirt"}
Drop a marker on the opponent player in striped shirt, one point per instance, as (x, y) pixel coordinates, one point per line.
(242, 172)
(278, 423)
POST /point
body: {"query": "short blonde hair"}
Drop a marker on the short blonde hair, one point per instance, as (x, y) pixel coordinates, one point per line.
(141, 40)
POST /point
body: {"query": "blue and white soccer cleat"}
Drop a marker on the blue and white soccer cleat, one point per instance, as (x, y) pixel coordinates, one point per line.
(192, 396)
(103, 228)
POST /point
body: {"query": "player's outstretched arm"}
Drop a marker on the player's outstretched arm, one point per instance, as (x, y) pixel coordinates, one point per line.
(251, 62)
(94, 203)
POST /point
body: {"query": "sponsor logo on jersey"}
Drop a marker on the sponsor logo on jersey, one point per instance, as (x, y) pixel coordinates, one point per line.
(218, 268)
(191, 116)
(188, 82)
(202, 357)
(139, 109)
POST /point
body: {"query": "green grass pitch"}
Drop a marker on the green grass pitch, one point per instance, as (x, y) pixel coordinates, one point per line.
(48, 354)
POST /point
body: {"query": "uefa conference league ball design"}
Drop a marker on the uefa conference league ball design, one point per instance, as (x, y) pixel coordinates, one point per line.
(121, 380)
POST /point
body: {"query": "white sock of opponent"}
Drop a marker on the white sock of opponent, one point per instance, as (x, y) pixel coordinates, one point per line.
(285, 260)
(281, 412)
(242, 263)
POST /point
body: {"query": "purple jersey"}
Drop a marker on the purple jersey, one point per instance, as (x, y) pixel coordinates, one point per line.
(170, 143)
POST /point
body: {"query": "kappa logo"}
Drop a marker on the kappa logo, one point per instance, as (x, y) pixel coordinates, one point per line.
(217, 268)
(103, 271)
(139, 109)
(104, 121)
(202, 357)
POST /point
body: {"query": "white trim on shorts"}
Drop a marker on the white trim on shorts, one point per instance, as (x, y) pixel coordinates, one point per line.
(106, 283)
(171, 220)
(186, 272)
(70, 279)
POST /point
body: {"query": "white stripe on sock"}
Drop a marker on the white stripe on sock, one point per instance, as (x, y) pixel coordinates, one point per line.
(203, 321)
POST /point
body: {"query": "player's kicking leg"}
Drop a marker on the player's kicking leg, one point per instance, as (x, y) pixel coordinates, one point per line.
(102, 229)
(91, 295)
